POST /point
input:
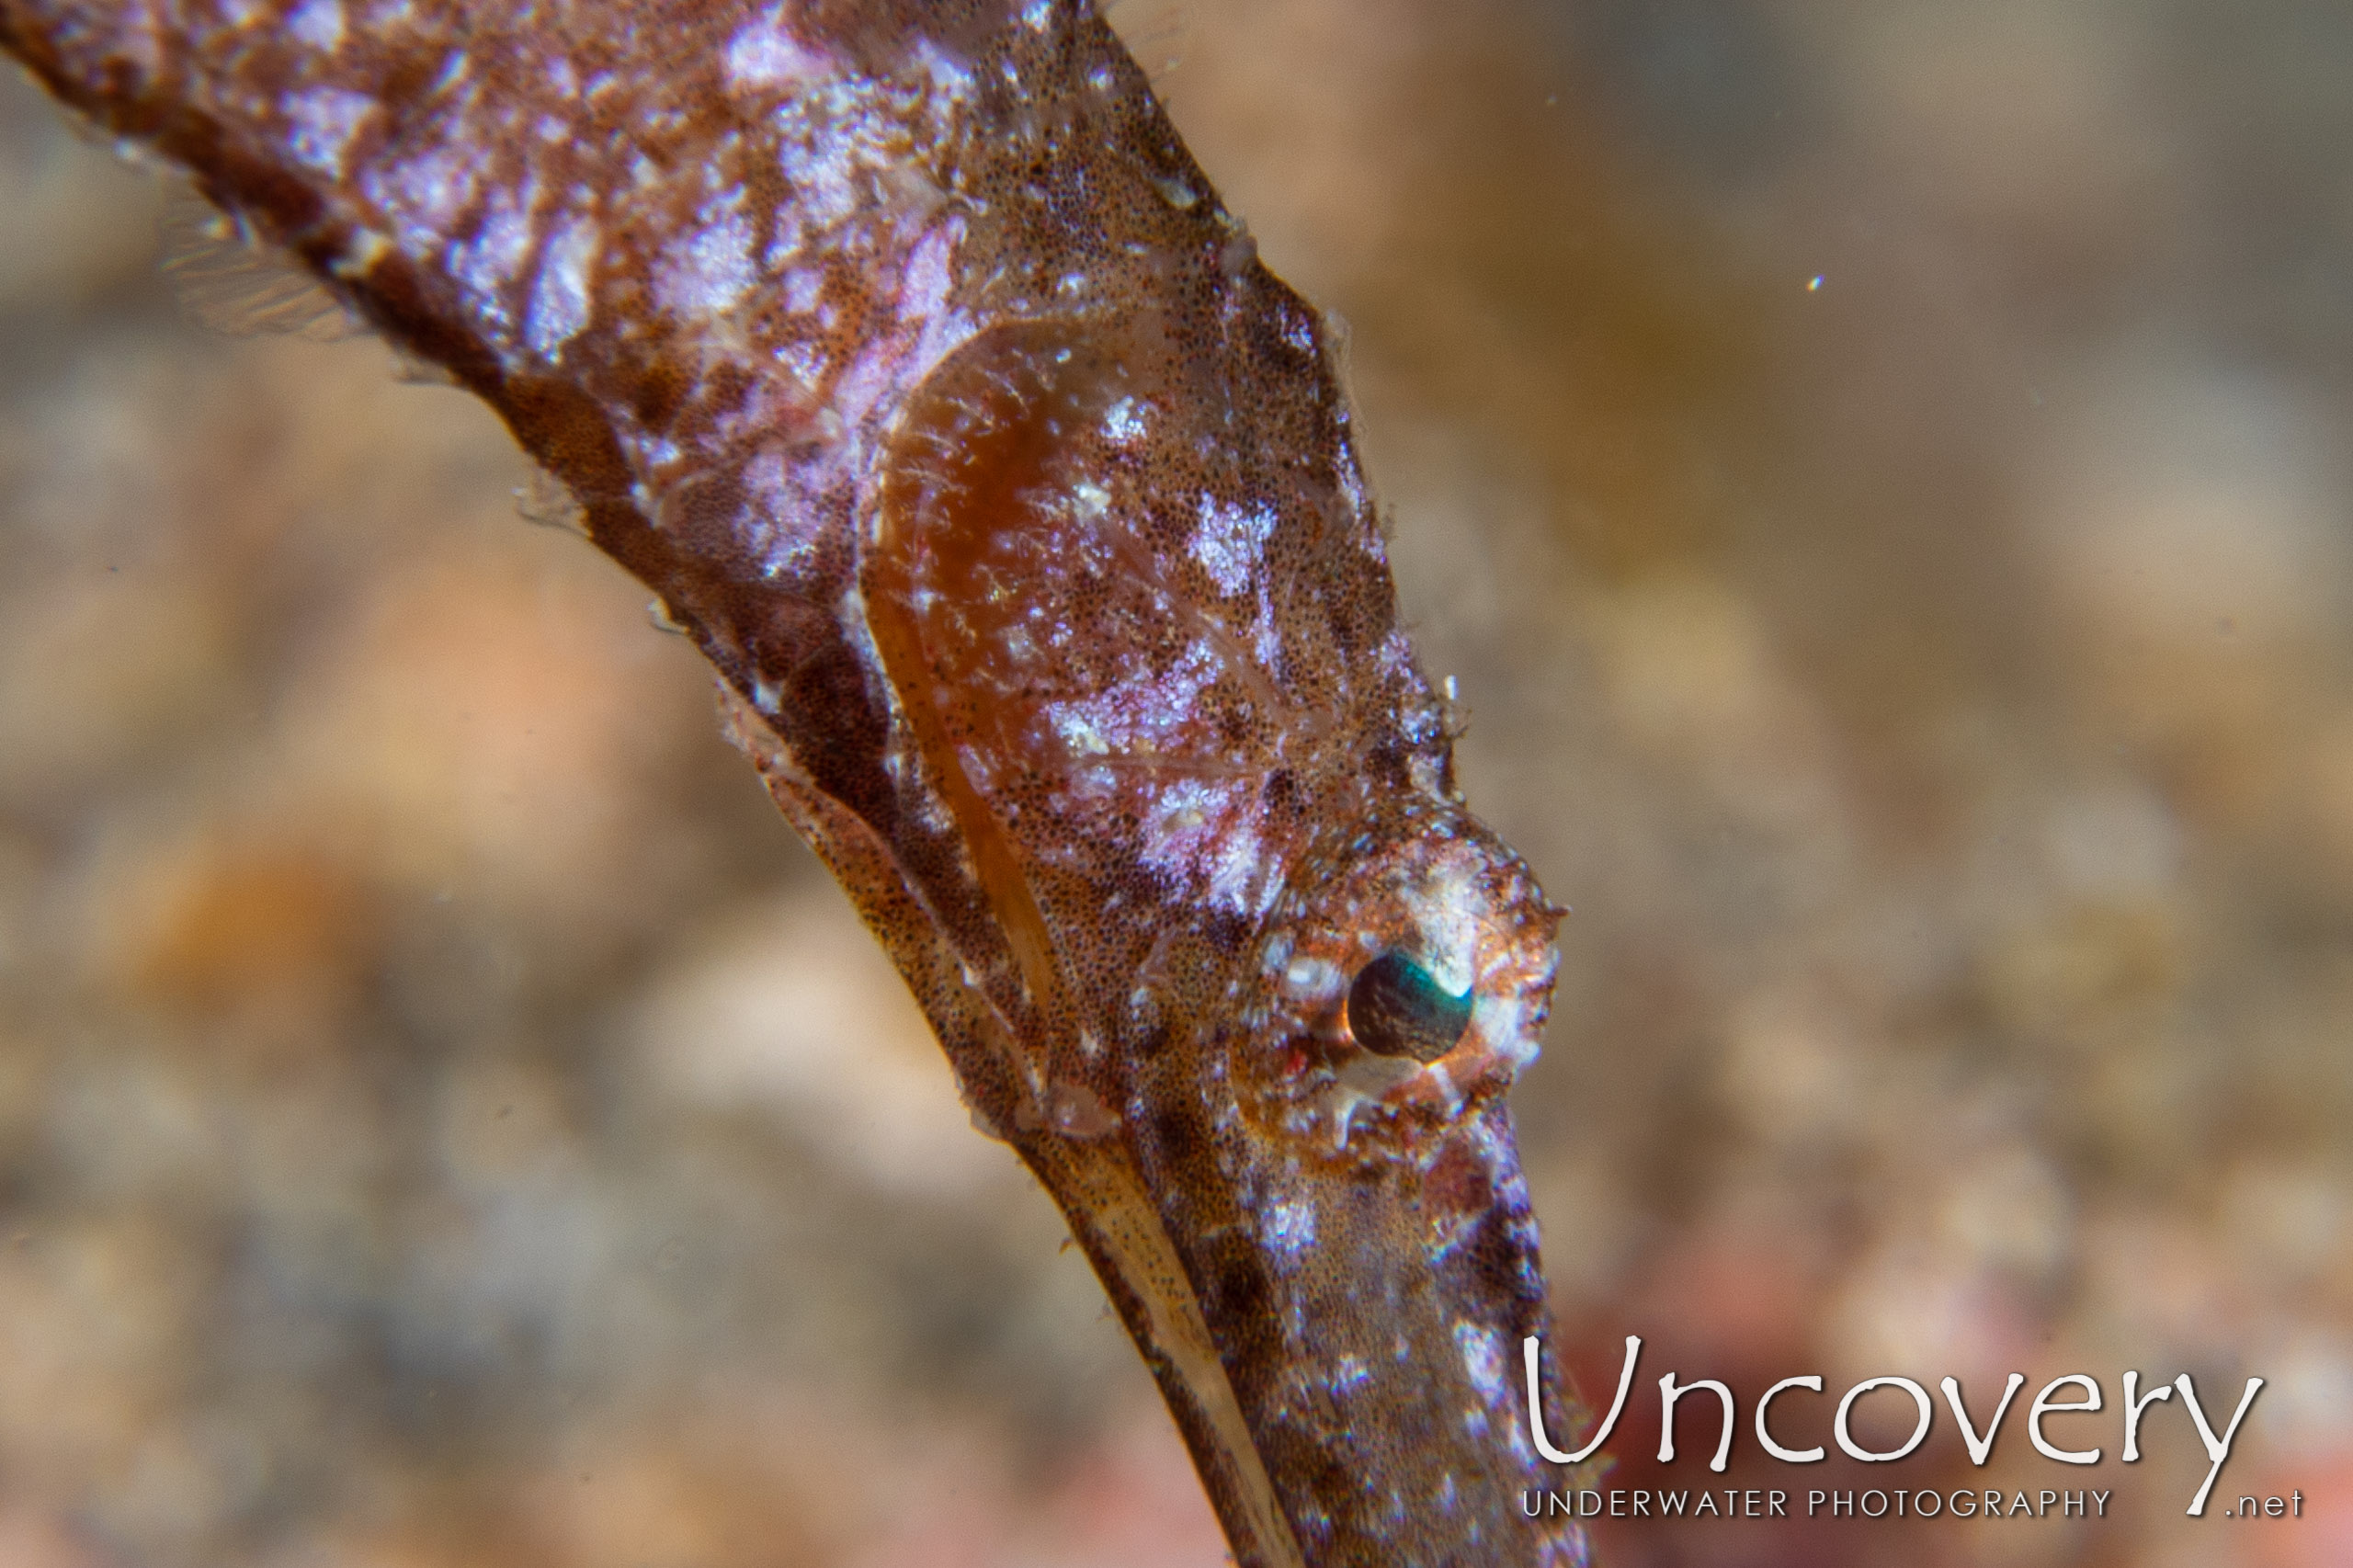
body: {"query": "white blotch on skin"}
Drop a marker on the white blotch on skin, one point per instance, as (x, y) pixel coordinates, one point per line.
(951, 78)
(1502, 1023)
(318, 23)
(487, 264)
(1229, 542)
(1144, 717)
(1312, 978)
(366, 248)
(789, 525)
(1189, 837)
(1446, 908)
(1234, 875)
(805, 362)
(1482, 1359)
(1288, 1231)
(802, 286)
(824, 193)
(426, 194)
(858, 388)
(1080, 736)
(1172, 832)
(708, 272)
(560, 299)
(1123, 422)
(325, 119)
(924, 285)
(764, 53)
(1267, 637)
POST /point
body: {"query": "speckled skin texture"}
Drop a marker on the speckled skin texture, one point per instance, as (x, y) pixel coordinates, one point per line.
(905, 353)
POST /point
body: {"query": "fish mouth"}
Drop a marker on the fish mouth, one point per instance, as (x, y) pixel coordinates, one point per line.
(1366, 1314)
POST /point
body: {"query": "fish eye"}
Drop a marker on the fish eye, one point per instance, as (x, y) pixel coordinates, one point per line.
(1397, 1008)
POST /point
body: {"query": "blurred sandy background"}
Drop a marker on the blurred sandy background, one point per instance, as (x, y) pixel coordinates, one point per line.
(1879, 472)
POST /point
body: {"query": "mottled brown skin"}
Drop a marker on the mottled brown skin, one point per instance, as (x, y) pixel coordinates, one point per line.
(903, 350)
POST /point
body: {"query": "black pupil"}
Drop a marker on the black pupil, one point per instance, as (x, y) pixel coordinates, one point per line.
(1397, 1008)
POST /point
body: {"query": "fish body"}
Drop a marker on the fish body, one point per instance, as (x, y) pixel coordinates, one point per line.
(906, 354)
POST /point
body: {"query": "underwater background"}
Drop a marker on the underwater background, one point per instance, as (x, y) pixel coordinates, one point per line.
(1880, 475)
